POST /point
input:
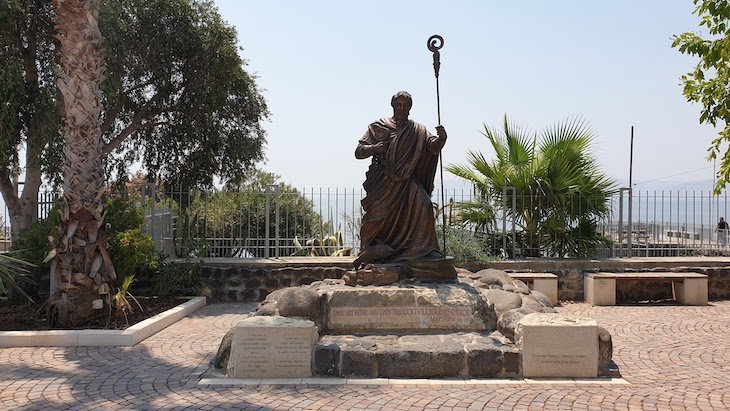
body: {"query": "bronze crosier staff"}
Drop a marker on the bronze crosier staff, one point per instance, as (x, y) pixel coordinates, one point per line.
(434, 44)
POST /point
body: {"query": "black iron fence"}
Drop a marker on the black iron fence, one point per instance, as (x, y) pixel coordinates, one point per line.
(275, 221)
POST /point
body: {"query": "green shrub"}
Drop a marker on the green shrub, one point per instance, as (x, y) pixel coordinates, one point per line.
(467, 249)
(131, 250)
(33, 244)
(122, 215)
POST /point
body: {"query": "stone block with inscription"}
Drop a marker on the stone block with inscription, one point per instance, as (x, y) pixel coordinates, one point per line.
(553, 345)
(272, 347)
(403, 309)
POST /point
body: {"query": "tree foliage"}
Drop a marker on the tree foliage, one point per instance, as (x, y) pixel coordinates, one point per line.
(177, 96)
(28, 92)
(559, 192)
(28, 101)
(709, 83)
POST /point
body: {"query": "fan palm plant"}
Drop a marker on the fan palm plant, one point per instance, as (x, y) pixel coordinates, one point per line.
(13, 269)
(559, 192)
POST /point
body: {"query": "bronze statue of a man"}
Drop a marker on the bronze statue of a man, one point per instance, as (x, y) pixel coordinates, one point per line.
(399, 224)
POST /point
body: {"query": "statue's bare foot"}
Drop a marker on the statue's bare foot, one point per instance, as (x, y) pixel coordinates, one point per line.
(435, 254)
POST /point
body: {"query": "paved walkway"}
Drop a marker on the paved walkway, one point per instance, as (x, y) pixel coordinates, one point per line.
(673, 357)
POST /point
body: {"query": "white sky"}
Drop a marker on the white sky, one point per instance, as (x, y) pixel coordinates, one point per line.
(328, 69)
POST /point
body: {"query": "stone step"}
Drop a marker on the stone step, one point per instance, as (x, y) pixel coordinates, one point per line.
(463, 354)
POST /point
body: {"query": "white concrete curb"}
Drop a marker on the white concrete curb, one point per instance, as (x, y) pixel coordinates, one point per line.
(82, 338)
(404, 381)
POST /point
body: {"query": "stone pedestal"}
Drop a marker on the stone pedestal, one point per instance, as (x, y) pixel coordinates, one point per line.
(272, 347)
(414, 329)
(553, 345)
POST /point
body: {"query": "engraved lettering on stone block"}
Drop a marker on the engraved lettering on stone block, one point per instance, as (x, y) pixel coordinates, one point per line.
(558, 346)
(270, 347)
(431, 316)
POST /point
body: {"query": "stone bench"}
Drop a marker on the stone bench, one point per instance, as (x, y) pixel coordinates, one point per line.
(545, 283)
(684, 234)
(687, 288)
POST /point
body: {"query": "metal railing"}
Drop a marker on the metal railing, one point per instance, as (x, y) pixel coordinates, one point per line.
(268, 222)
(277, 221)
(274, 222)
(669, 223)
(46, 202)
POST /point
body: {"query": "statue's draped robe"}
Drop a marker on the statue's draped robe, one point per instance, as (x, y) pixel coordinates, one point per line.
(398, 186)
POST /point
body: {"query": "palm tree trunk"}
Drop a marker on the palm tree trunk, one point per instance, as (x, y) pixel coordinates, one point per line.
(82, 270)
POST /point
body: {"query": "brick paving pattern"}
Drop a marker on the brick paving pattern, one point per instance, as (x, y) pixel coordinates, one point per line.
(673, 357)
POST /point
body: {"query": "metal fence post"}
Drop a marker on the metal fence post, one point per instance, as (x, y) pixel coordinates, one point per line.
(276, 228)
(267, 210)
(504, 220)
(149, 189)
(621, 222)
(629, 228)
(505, 190)
(514, 223)
(269, 188)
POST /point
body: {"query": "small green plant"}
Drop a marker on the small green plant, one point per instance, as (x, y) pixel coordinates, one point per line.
(122, 306)
(332, 246)
(176, 279)
(13, 270)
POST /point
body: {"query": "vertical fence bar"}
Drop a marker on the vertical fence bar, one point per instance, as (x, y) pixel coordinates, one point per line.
(621, 221)
(267, 222)
(278, 220)
(504, 220)
(514, 231)
(724, 206)
(646, 218)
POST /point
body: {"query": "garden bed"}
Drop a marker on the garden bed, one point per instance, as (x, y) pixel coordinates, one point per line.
(24, 316)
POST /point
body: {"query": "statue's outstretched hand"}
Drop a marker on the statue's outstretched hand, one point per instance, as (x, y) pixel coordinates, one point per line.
(441, 132)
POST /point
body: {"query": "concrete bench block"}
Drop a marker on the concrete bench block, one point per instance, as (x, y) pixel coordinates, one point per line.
(599, 291)
(545, 283)
(547, 286)
(692, 291)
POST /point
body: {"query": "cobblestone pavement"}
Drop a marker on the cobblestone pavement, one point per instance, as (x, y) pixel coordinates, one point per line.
(673, 357)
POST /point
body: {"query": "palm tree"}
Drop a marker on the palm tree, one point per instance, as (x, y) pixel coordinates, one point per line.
(81, 269)
(559, 192)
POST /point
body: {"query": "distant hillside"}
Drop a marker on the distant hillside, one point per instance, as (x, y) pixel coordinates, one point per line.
(681, 186)
(697, 186)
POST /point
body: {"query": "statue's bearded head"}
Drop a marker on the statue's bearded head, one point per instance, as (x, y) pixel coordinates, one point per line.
(401, 103)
